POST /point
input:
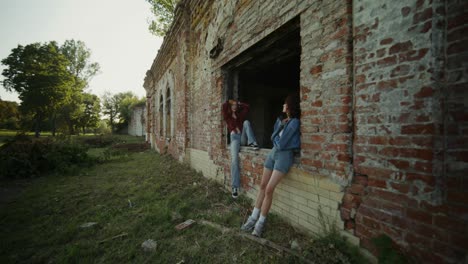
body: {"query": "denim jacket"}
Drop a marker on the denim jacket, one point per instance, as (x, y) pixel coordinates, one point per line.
(291, 137)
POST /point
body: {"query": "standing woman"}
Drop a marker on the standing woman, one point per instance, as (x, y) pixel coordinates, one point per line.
(234, 113)
(286, 139)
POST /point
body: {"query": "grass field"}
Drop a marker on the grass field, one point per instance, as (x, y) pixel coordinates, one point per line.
(134, 197)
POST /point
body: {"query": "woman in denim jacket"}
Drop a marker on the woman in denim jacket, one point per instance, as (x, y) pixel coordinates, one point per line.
(286, 139)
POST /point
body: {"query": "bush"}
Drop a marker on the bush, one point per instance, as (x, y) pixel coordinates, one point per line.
(100, 141)
(23, 157)
(102, 128)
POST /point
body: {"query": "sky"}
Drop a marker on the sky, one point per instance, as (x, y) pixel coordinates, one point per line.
(116, 32)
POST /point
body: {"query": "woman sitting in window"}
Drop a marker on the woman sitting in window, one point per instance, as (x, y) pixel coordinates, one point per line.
(234, 113)
(286, 140)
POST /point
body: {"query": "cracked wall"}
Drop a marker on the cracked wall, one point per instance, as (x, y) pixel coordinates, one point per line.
(383, 98)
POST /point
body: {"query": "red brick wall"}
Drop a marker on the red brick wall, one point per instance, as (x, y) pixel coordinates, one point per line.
(326, 89)
(174, 76)
(408, 143)
(384, 110)
(454, 216)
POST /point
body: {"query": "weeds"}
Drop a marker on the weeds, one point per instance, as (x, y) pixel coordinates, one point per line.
(330, 246)
(144, 195)
(388, 251)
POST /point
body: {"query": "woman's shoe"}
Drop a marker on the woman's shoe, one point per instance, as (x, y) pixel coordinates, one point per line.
(249, 225)
(258, 229)
(254, 146)
(235, 193)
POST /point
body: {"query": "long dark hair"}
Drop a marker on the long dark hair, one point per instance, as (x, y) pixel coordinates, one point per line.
(294, 106)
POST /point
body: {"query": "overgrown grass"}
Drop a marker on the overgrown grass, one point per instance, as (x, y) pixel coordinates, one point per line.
(140, 196)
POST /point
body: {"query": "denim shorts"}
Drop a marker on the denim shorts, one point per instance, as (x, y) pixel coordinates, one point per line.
(280, 160)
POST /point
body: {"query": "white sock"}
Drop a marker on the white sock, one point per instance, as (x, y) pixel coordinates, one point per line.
(262, 219)
(255, 213)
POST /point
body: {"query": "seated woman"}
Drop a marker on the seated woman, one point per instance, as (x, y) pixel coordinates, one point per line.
(234, 113)
(286, 139)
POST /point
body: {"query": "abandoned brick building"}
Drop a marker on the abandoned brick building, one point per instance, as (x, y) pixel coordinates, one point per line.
(383, 87)
(136, 125)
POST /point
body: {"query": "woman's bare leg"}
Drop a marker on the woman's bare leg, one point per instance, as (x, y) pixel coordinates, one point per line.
(275, 178)
(263, 185)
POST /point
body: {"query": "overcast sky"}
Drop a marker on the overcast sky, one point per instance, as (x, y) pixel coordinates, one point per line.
(116, 31)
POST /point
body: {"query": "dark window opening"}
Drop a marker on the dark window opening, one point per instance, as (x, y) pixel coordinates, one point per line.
(264, 75)
(168, 113)
(161, 109)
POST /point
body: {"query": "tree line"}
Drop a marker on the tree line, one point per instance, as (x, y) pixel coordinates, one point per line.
(51, 82)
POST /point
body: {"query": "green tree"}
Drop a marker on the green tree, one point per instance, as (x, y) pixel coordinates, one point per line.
(110, 108)
(126, 108)
(80, 65)
(9, 115)
(83, 70)
(39, 74)
(163, 11)
(67, 118)
(89, 119)
(118, 108)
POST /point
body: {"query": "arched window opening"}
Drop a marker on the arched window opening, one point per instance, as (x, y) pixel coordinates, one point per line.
(161, 115)
(168, 113)
(154, 112)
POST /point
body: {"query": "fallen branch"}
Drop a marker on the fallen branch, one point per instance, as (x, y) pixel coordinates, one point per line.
(114, 237)
(261, 241)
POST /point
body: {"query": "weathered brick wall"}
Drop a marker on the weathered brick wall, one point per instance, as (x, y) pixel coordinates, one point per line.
(201, 162)
(241, 26)
(307, 200)
(383, 98)
(401, 127)
(454, 216)
(326, 112)
(326, 67)
(169, 71)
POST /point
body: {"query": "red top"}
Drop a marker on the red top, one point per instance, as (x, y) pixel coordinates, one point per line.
(241, 113)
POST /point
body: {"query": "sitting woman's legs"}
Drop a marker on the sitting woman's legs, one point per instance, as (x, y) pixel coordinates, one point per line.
(235, 170)
(248, 136)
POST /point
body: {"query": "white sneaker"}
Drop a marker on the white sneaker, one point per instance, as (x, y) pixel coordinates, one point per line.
(254, 146)
(249, 225)
(258, 229)
(235, 193)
